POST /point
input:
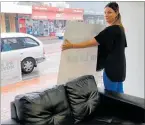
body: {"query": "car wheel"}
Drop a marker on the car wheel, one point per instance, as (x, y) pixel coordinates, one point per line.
(28, 65)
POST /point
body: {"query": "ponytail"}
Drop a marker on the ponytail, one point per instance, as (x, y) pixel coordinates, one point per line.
(119, 21)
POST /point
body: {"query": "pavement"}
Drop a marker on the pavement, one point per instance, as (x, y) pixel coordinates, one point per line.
(49, 40)
(47, 37)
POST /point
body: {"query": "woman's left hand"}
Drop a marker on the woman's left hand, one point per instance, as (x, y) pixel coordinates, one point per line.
(67, 45)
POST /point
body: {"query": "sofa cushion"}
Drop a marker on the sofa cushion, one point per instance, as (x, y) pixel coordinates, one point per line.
(83, 96)
(49, 107)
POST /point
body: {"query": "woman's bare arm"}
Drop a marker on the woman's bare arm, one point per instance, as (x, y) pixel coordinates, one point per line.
(69, 45)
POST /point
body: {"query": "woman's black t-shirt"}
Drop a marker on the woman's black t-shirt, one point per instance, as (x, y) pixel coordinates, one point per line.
(111, 52)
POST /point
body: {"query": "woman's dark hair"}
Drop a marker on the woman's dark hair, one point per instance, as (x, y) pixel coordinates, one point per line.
(115, 7)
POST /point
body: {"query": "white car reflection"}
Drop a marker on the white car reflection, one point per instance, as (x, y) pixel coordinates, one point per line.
(27, 48)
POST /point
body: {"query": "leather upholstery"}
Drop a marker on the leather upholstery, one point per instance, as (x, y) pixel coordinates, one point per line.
(83, 96)
(49, 107)
(79, 102)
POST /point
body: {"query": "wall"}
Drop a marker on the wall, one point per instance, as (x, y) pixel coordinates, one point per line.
(133, 20)
(2, 22)
(10, 7)
(12, 22)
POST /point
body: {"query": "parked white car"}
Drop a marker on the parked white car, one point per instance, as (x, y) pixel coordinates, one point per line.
(60, 34)
(28, 48)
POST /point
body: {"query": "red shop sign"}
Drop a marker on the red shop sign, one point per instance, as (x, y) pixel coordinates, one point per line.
(56, 16)
(55, 9)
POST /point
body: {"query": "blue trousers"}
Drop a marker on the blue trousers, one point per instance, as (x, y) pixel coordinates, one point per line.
(112, 86)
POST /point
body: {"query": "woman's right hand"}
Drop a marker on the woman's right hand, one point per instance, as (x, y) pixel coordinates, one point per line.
(67, 45)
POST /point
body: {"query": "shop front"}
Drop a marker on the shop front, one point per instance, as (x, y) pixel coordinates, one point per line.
(8, 22)
(93, 17)
(9, 16)
(47, 21)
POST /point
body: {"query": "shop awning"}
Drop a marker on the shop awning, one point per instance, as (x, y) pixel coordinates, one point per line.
(53, 13)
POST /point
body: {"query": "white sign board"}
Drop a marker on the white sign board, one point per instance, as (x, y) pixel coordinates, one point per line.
(78, 62)
(10, 69)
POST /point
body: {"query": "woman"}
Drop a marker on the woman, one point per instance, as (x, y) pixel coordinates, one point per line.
(111, 44)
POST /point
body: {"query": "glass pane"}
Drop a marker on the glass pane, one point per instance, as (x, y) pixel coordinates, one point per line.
(5, 46)
(30, 42)
(11, 44)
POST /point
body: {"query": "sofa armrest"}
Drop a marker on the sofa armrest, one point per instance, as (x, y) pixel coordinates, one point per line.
(132, 100)
(13, 111)
(122, 105)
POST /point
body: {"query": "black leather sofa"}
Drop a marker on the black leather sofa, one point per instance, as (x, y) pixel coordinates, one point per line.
(77, 102)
